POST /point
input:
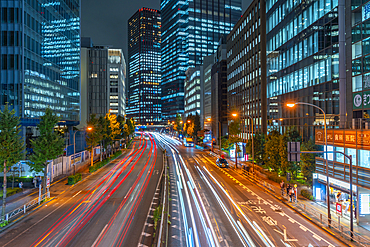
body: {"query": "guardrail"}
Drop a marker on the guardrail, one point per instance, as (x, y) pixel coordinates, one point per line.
(163, 227)
(26, 207)
(315, 215)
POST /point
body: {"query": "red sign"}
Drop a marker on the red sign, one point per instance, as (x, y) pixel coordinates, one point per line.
(339, 208)
(222, 156)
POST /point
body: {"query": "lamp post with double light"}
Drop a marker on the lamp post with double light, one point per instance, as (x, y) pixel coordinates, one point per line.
(291, 105)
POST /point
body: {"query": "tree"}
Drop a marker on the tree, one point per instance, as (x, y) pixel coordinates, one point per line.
(272, 157)
(12, 146)
(291, 135)
(48, 146)
(225, 145)
(190, 129)
(234, 132)
(259, 140)
(178, 120)
(308, 160)
(197, 126)
(114, 128)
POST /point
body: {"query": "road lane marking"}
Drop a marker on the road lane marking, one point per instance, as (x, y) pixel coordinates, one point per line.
(96, 240)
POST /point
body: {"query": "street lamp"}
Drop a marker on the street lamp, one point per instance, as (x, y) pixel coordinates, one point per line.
(74, 150)
(189, 121)
(252, 141)
(92, 149)
(236, 147)
(291, 105)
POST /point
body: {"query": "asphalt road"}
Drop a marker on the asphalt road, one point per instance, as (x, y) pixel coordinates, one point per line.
(109, 208)
(225, 209)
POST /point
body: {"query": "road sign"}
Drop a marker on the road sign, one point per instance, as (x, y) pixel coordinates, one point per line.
(48, 182)
(339, 208)
(288, 176)
(294, 149)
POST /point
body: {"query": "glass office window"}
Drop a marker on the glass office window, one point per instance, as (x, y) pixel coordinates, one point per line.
(364, 158)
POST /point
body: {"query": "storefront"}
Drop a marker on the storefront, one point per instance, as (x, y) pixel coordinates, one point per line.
(340, 193)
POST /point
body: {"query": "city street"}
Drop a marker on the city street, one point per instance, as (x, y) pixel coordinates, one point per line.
(106, 209)
(219, 207)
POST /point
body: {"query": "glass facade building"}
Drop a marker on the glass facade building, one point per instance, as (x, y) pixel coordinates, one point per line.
(302, 62)
(192, 91)
(144, 61)
(246, 73)
(40, 59)
(192, 30)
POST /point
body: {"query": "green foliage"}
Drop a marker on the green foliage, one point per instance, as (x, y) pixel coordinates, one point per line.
(74, 178)
(102, 163)
(234, 131)
(307, 194)
(178, 125)
(291, 135)
(10, 192)
(93, 136)
(11, 144)
(5, 223)
(273, 176)
(308, 160)
(49, 145)
(272, 157)
(197, 126)
(21, 179)
(225, 144)
(259, 141)
(157, 216)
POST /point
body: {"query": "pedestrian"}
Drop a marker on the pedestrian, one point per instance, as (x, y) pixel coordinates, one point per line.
(21, 185)
(34, 182)
(282, 187)
(287, 189)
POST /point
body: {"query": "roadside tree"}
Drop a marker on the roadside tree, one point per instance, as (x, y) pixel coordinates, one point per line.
(48, 146)
(12, 145)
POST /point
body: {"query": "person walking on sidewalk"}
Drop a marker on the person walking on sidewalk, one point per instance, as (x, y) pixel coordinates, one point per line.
(21, 185)
(287, 189)
(282, 187)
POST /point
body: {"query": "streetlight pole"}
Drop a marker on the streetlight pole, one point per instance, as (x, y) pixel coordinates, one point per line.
(326, 155)
(252, 141)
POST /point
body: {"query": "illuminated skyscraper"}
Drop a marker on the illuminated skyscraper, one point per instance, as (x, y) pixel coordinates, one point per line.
(191, 31)
(144, 61)
(40, 59)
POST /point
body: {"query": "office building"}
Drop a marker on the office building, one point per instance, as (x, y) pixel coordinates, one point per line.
(246, 70)
(144, 61)
(302, 64)
(219, 103)
(192, 30)
(192, 91)
(40, 60)
(103, 79)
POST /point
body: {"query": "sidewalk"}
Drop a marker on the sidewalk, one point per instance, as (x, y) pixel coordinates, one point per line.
(314, 211)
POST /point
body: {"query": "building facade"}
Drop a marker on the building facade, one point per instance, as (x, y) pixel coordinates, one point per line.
(144, 61)
(303, 64)
(192, 91)
(103, 79)
(40, 60)
(246, 70)
(219, 103)
(192, 30)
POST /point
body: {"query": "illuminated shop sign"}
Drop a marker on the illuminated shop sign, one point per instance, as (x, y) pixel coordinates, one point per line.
(364, 200)
(359, 139)
(335, 182)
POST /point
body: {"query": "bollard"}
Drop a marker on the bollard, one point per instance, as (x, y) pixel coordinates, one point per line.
(321, 218)
(304, 208)
(24, 208)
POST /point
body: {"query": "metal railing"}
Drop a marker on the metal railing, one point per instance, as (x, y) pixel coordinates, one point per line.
(315, 215)
(26, 207)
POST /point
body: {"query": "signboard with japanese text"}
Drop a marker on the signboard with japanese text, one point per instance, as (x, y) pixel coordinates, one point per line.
(359, 139)
(366, 99)
(357, 100)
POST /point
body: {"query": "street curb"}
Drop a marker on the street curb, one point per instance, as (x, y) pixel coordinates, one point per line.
(24, 215)
(298, 212)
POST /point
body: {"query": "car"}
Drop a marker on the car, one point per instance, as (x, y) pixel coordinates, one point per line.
(222, 163)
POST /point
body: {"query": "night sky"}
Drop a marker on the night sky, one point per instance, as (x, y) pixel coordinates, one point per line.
(105, 21)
